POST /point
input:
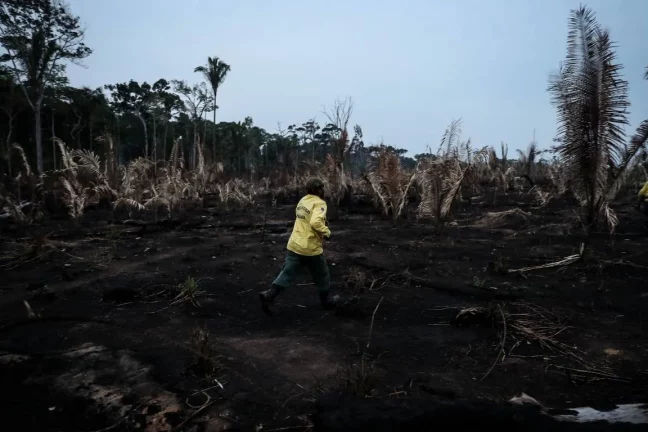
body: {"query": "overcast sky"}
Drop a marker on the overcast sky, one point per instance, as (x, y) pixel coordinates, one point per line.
(411, 66)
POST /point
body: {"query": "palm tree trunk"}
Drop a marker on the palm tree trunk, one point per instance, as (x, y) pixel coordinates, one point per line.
(146, 147)
(91, 136)
(214, 131)
(164, 141)
(9, 136)
(215, 138)
(38, 136)
(53, 136)
(154, 140)
(193, 147)
(186, 140)
(118, 143)
(204, 138)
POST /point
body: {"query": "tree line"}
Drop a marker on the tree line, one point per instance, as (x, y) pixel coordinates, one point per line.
(42, 38)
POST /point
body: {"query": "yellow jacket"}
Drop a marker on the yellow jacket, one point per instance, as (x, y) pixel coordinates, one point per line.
(643, 193)
(310, 227)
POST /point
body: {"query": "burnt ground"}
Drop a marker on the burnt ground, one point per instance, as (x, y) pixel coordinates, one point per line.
(109, 348)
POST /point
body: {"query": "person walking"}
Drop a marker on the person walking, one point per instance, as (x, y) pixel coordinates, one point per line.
(642, 199)
(305, 249)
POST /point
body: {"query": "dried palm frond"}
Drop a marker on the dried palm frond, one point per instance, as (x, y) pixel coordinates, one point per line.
(66, 155)
(23, 158)
(390, 183)
(558, 176)
(334, 178)
(156, 203)
(513, 218)
(8, 204)
(563, 262)
(542, 197)
(440, 181)
(503, 180)
(450, 139)
(88, 159)
(637, 143)
(522, 326)
(103, 191)
(80, 183)
(492, 159)
(129, 203)
(481, 172)
(244, 193)
(74, 198)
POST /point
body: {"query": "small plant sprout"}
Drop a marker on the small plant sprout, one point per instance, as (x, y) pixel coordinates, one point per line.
(189, 293)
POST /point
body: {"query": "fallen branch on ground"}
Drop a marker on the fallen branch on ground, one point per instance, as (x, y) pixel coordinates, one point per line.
(373, 317)
(563, 262)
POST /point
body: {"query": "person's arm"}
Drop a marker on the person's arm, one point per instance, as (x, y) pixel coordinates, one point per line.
(318, 220)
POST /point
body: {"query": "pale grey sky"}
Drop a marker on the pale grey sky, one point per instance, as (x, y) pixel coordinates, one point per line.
(411, 66)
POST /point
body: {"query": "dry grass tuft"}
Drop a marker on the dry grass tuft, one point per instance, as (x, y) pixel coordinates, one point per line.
(358, 281)
(358, 378)
(203, 354)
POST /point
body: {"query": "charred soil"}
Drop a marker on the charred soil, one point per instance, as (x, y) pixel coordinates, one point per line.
(157, 326)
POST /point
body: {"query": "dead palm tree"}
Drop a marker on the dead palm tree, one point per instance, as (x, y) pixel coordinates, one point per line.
(390, 183)
(591, 99)
(214, 72)
(527, 160)
(440, 181)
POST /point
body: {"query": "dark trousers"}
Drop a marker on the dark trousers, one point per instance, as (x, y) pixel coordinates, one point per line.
(643, 206)
(294, 263)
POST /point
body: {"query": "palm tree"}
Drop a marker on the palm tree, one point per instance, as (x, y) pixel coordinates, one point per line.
(214, 72)
(591, 99)
(527, 161)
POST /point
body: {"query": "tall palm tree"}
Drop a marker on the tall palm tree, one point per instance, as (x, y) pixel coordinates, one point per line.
(214, 72)
(591, 99)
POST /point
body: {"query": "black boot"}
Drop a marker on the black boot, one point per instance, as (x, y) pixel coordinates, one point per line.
(327, 301)
(267, 298)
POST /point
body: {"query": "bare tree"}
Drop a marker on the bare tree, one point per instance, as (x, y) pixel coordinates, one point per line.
(340, 113)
